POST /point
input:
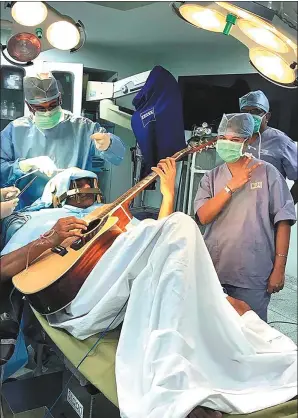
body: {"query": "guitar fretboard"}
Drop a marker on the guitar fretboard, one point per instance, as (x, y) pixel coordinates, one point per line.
(141, 185)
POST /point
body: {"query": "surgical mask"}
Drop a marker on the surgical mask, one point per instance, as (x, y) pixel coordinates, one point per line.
(257, 122)
(229, 151)
(49, 119)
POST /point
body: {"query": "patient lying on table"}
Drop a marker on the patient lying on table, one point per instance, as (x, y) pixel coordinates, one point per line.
(182, 344)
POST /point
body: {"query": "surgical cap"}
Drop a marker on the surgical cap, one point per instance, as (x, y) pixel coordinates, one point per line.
(40, 89)
(255, 99)
(240, 125)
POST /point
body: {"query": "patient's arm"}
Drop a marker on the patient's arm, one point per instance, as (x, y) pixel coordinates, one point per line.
(166, 169)
(16, 261)
(240, 306)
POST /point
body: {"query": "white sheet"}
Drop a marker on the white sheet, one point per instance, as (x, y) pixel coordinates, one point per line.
(182, 344)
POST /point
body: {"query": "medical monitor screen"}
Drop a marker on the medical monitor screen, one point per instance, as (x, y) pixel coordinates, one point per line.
(206, 98)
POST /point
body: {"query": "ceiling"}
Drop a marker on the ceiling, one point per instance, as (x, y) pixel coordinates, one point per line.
(146, 25)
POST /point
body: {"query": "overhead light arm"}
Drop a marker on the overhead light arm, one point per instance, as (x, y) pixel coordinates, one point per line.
(83, 36)
(97, 90)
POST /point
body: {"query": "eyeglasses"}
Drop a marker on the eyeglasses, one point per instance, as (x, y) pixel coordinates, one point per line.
(48, 108)
(231, 138)
(255, 111)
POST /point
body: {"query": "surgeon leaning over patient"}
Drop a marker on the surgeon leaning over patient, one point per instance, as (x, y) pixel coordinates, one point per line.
(51, 137)
(274, 145)
(248, 210)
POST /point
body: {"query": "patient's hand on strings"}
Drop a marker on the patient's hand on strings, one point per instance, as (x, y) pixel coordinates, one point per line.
(69, 227)
(166, 169)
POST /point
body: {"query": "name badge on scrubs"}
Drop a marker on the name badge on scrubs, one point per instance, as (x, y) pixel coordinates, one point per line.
(256, 185)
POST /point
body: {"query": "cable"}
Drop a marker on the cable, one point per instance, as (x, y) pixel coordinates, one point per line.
(1, 382)
(12, 305)
(101, 336)
(283, 322)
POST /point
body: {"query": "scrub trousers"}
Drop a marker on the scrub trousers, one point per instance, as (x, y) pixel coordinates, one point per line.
(257, 299)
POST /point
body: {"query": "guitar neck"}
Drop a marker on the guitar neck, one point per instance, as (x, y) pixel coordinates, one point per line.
(141, 185)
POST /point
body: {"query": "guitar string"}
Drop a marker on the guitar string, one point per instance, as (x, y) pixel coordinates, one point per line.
(146, 181)
(152, 176)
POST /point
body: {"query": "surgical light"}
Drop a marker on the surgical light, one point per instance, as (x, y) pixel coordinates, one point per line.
(29, 13)
(203, 17)
(63, 35)
(263, 36)
(272, 66)
(235, 10)
(24, 47)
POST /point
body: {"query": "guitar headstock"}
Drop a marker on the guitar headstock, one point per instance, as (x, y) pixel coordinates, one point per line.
(200, 136)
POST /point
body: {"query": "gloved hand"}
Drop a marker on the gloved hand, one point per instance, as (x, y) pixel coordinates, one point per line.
(6, 208)
(8, 193)
(102, 140)
(43, 163)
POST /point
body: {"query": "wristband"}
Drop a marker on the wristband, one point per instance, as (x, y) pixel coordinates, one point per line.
(228, 190)
(281, 255)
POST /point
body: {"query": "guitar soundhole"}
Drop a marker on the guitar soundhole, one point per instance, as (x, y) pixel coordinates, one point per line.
(92, 230)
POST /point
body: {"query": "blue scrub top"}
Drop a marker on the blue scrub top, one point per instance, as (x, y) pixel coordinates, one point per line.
(279, 150)
(241, 239)
(68, 144)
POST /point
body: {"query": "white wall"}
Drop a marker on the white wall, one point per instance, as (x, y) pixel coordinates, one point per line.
(205, 58)
(125, 62)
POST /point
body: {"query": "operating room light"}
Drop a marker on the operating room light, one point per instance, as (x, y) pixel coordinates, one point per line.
(203, 17)
(63, 35)
(263, 36)
(24, 47)
(272, 65)
(235, 10)
(29, 13)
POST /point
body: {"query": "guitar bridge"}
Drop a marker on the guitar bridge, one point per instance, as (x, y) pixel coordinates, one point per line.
(59, 250)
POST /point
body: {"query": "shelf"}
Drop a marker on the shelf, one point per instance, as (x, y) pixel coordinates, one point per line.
(7, 89)
(9, 119)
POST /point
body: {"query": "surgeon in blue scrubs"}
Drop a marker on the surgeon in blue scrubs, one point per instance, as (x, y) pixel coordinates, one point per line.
(52, 138)
(248, 211)
(274, 145)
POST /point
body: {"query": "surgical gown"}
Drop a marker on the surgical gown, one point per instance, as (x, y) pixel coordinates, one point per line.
(279, 150)
(241, 239)
(68, 144)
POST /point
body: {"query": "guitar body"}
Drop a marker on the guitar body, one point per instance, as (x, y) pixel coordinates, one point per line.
(52, 281)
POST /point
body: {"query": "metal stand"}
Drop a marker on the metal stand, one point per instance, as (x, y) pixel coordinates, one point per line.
(138, 208)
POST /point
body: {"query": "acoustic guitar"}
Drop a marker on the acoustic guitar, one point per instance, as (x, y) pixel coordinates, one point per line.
(54, 279)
